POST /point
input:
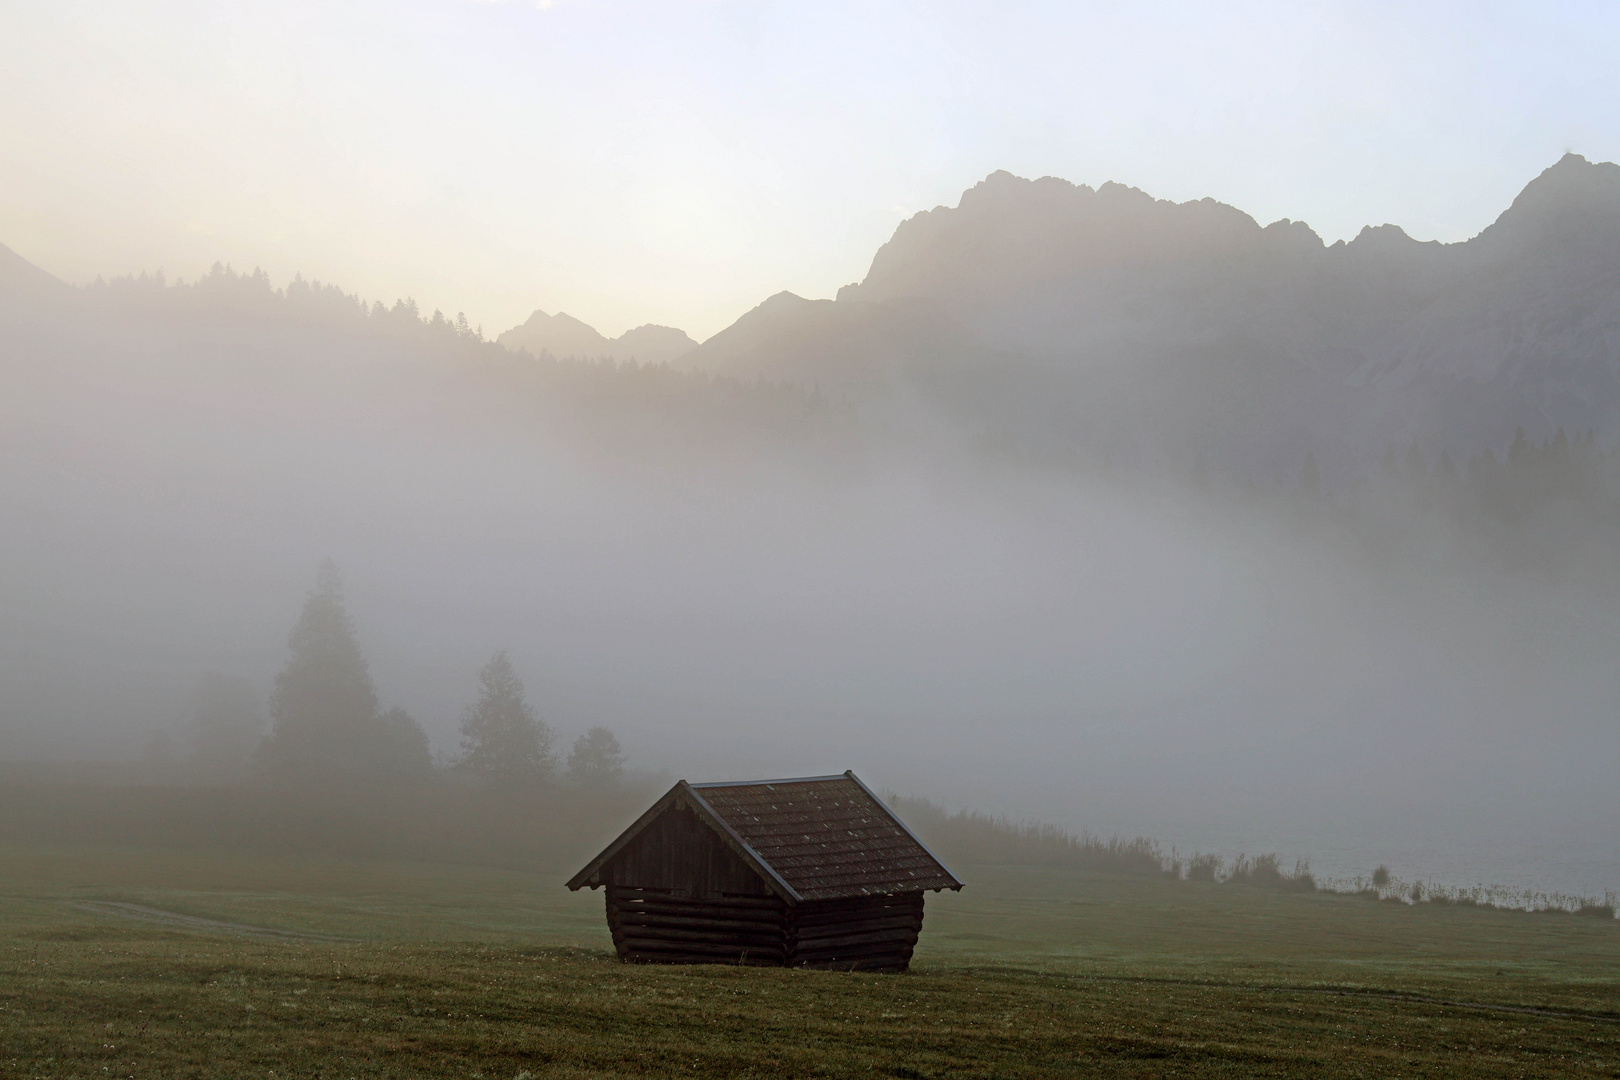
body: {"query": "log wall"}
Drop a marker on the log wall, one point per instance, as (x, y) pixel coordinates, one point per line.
(653, 926)
(659, 926)
(869, 933)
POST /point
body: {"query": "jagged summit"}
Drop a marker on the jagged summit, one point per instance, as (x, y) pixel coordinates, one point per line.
(1573, 201)
(1010, 233)
(1293, 235)
(1389, 240)
(1187, 328)
(562, 335)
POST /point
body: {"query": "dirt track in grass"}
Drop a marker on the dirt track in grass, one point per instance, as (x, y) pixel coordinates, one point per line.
(174, 920)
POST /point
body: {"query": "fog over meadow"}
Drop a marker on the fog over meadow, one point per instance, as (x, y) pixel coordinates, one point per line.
(744, 577)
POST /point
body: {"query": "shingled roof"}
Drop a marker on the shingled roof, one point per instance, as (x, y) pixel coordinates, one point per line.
(811, 838)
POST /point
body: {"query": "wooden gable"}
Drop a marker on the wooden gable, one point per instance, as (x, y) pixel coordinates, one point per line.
(682, 854)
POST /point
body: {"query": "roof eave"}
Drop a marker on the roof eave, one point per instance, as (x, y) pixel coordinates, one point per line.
(582, 879)
(957, 887)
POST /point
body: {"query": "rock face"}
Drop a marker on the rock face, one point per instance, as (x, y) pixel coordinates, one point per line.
(1047, 266)
(563, 335)
(1067, 315)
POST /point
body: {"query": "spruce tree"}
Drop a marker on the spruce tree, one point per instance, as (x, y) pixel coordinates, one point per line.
(502, 739)
(323, 709)
(596, 757)
(402, 745)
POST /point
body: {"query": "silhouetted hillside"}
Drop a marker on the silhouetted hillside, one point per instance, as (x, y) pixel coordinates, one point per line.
(843, 346)
(21, 280)
(1063, 321)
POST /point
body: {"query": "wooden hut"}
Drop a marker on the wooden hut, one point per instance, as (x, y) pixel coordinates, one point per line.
(812, 872)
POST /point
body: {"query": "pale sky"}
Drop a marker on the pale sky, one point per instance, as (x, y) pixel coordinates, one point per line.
(678, 162)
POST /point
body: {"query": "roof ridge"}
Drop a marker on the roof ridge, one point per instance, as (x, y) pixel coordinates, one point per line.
(767, 783)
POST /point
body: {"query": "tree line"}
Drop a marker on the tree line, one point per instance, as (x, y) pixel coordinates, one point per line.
(327, 722)
(306, 312)
(1551, 504)
(1548, 504)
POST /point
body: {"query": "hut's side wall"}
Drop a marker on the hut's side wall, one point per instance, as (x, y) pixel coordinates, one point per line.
(876, 933)
(656, 927)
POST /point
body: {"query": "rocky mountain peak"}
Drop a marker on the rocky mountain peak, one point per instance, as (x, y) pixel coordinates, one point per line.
(1574, 201)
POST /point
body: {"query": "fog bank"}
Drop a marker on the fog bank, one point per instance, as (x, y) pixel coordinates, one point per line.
(747, 582)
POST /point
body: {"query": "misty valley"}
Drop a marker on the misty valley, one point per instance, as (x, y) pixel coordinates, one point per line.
(1233, 613)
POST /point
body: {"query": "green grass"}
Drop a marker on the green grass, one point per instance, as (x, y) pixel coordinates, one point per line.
(463, 972)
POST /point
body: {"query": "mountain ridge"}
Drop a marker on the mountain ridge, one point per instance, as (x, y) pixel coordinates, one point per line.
(1139, 320)
(562, 335)
(1070, 321)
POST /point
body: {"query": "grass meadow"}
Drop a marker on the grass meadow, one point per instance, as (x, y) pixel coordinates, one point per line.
(382, 968)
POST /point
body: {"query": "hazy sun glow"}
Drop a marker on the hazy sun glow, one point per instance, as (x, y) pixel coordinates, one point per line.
(677, 162)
